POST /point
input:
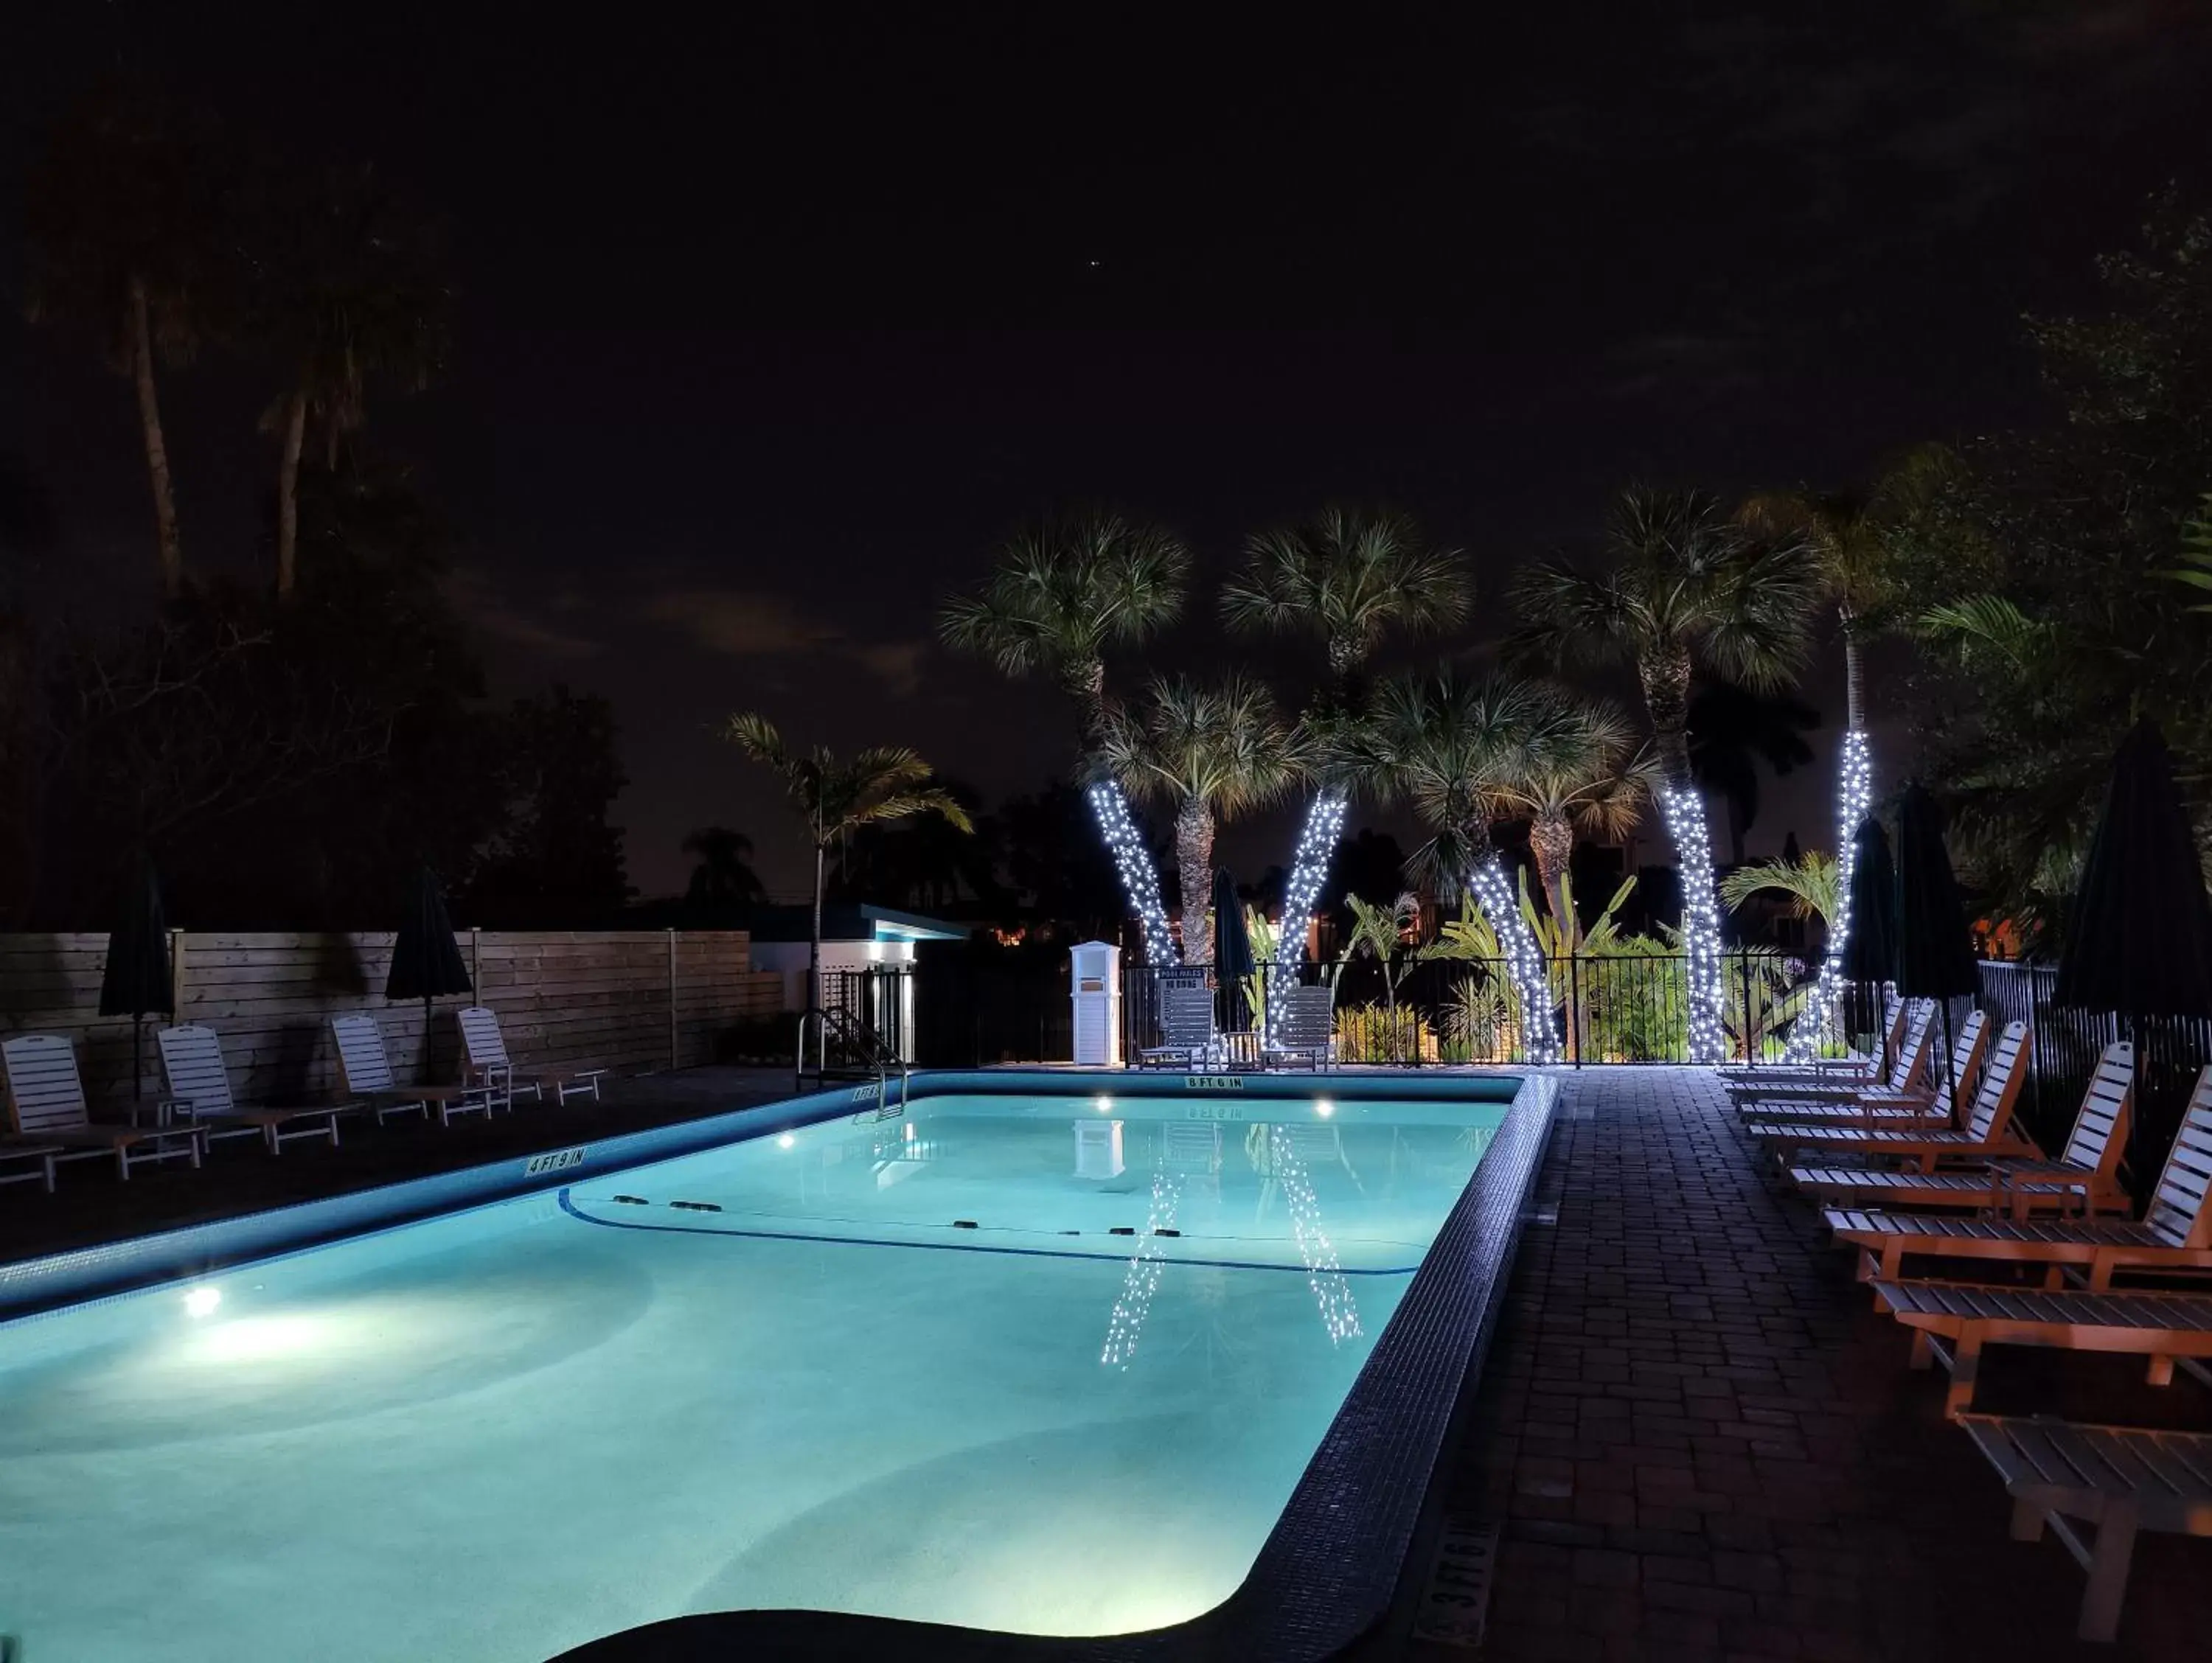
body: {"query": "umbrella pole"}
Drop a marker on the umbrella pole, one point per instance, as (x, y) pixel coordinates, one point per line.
(137, 1065)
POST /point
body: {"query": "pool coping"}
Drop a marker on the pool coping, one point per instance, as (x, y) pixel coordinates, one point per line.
(1327, 1570)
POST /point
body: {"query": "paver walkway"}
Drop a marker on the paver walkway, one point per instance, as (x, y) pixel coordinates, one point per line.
(1703, 1443)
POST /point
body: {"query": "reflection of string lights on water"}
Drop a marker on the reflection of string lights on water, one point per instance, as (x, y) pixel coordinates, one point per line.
(1127, 1325)
(1339, 1314)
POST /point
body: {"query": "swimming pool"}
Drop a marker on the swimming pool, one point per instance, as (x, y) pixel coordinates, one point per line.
(1047, 1361)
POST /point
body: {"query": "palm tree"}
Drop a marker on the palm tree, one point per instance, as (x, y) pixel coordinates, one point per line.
(1846, 535)
(881, 784)
(1811, 881)
(1450, 744)
(1592, 779)
(724, 881)
(1349, 578)
(1733, 733)
(123, 222)
(1687, 585)
(347, 290)
(1064, 592)
(1210, 753)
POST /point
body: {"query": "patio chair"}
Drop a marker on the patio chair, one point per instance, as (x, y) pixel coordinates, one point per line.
(1905, 1076)
(1186, 1030)
(1881, 1106)
(364, 1072)
(1952, 1322)
(1990, 1130)
(199, 1093)
(1860, 1068)
(2119, 1479)
(2175, 1234)
(1305, 1033)
(484, 1062)
(2087, 1174)
(47, 1097)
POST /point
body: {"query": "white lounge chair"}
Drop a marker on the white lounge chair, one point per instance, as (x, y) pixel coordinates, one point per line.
(48, 1101)
(1303, 1031)
(1906, 1075)
(364, 1072)
(1186, 1030)
(199, 1093)
(484, 1062)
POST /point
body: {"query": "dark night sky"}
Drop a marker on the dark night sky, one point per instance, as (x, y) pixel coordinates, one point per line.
(772, 327)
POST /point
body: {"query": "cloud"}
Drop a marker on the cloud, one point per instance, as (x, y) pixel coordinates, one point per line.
(746, 624)
(476, 598)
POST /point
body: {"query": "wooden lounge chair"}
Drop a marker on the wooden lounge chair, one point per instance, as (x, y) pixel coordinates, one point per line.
(1884, 1108)
(484, 1062)
(1304, 1031)
(2120, 1480)
(1186, 1030)
(1952, 1322)
(199, 1092)
(1906, 1077)
(1860, 1068)
(48, 1101)
(2086, 1178)
(364, 1072)
(2174, 1234)
(1990, 1130)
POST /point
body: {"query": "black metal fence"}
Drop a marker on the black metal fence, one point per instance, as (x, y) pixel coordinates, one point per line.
(2170, 1052)
(1626, 1008)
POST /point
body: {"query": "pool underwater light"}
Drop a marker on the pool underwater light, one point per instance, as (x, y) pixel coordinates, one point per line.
(202, 1302)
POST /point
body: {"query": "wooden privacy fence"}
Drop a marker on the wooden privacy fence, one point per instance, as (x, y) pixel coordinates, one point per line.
(629, 1001)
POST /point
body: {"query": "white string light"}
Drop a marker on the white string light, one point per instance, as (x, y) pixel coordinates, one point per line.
(1684, 814)
(1340, 1314)
(1854, 796)
(1524, 962)
(1139, 882)
(1309, 868)
(1127, 1324)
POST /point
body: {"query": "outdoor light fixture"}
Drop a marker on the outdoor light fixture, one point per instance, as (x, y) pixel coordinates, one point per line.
(1524, 960)
(1324, 1108)
(1854, 796)
(1684, 814)
(786, 1141)
(1308, 867)
(1103, 1104)
(1134, 862)
(202, 1302)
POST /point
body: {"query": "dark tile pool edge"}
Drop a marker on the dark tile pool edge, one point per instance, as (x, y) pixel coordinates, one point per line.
(1330, 1569)
(31, 1287)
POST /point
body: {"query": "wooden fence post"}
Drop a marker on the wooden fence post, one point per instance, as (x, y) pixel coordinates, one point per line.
(176, 976)
(674, 1060)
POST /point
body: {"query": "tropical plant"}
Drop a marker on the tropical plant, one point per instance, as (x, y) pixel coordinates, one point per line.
(1210, 754)
(1482, 1009)
(1590, 779)
(1064, 593)
(1448, 744)
(1812, 882)
(1377, 932)
(724, 881)
(345, 287)
(122, 217)
(1350, 578)
(835, 798)
(1734, 733)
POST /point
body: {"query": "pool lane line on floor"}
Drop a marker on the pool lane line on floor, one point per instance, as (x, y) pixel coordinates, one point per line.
(640, 1226)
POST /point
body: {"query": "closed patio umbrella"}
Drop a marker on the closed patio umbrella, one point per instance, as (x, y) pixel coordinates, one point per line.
(1935, 949)
(1870, 956)
(136, 980)
(1232, 952)
(426, 960)
(2139, 938)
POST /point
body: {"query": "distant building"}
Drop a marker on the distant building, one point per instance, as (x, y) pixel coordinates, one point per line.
(854, 937)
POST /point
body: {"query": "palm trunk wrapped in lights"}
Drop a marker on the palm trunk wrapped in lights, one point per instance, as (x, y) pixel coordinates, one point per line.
(1524, 962)
(1684, 810)
(1309, 868)
(1133, 861)
(1854, 796)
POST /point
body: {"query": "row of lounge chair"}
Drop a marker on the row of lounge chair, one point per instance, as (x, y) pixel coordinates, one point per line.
(50, 1124)
(1301, 1035)
(1910, 1170)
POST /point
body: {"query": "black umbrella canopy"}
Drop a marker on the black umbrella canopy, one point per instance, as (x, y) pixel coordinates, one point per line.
(426, 960)
(136, 980)
(1232, 941)
(1934, 951)
(2139, 940)
(1870, 939)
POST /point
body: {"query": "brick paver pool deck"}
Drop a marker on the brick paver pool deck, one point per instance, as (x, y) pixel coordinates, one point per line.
(1701, 1441)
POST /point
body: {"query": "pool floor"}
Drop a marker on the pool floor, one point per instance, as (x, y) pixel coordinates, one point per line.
(901, 1367)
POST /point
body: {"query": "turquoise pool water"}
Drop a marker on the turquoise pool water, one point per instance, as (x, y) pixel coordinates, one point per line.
(899, 1366)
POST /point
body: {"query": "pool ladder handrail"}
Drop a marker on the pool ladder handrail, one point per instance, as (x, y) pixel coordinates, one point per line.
(864, 1041)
